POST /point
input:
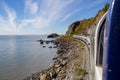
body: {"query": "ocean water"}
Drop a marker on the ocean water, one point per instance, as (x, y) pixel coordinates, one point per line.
(20, 56)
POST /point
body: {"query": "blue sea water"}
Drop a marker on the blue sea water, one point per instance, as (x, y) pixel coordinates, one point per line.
(21, 55)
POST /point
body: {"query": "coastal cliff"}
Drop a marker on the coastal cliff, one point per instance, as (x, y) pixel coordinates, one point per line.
(85, 27)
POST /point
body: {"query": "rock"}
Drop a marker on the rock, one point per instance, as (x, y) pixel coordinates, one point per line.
(48, 77)
(56, 62)
(72, 27)
(45, 77)
(57, 65)
(53, 74)
(55, 47)
(58, 70)
(53, 35)
(63, 76)
(52, 41)
(51, 65)
(50, 46)
(54, 58)
(44, 46)
(64, 62)
(62, 72)
(41, 41)
(47, 42)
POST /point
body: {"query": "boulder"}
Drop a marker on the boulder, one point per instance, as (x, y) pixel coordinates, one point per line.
(45, 77)
(53, 35)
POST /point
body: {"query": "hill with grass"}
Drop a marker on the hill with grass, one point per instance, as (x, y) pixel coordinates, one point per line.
(84, 27)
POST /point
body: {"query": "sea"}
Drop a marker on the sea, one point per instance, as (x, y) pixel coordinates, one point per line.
(22, 55)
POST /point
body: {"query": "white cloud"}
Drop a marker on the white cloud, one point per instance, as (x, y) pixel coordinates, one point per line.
(69, 15)
(43, 15)
(54, 9)
(11, 16)
(39, 14)
(31, 6)
(9, 25)
(83, 7)
(10, 12)
(49, 11)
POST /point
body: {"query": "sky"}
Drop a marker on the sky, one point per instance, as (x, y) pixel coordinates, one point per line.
(36, 17)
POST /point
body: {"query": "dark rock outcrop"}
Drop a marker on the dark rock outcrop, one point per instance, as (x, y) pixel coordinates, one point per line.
(45, 41)
(72, 27)
(53, 35)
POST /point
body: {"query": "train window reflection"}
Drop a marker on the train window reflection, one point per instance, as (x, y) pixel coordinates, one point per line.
(100, 45)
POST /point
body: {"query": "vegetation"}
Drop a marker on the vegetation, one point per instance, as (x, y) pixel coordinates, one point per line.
(70, 38)
(105, 9)
(63, 76)
(82, 27)
(84, 24)
(79, 71)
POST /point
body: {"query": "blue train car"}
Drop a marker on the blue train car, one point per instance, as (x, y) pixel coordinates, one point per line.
(111, 65)
(107, 44)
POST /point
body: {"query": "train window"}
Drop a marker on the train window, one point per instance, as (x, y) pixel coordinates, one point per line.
(100, 45)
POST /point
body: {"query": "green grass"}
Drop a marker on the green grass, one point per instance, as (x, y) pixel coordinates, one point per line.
(83, 25)
(71, 39)
(79, 71)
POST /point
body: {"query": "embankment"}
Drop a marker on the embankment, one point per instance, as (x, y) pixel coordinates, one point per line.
(68, 64)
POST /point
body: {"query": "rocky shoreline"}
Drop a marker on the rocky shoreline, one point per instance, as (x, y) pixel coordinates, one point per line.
(67, 64)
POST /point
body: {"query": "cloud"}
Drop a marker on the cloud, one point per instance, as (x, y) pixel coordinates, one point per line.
(11, 15)
(54, 9)
(47, 13)
(9, 25)
(83, 7)
(40, 14)
(10, 12)
(31, 6)
(69, 15)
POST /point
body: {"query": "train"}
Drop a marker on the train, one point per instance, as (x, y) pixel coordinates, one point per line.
(102, 61)
(106, 65)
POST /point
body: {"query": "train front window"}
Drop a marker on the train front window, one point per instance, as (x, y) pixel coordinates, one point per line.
(100, 45)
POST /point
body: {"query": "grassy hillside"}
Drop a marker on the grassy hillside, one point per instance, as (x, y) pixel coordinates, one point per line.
(86, 24)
